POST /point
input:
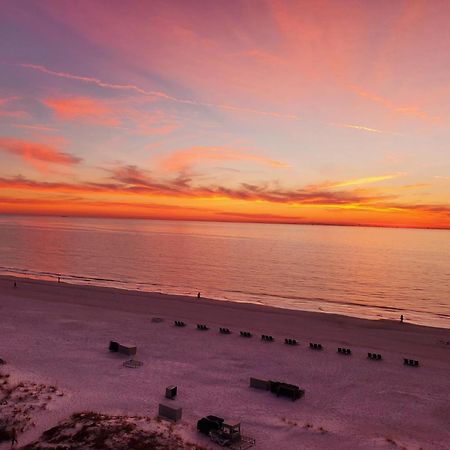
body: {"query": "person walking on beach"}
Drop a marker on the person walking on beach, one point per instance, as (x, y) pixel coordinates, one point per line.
(198, 294)
(401, 318)
(13, 438)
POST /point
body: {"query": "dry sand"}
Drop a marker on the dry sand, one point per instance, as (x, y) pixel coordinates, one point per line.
(57, 335)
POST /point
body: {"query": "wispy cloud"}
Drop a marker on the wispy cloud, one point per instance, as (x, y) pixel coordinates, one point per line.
(35, 127)
(123, 114)
(365, 180)
(152, 93)
(413, 111)
(359, 127)
(183, 159)
(165, 96)
(37, 154)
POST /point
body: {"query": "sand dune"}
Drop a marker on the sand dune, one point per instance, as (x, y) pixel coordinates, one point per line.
(57, 335)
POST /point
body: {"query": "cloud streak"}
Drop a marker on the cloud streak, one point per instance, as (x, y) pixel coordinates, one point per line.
(413, 111)
(38, 154)
(152, 93)
(165, 96)
(183, 159)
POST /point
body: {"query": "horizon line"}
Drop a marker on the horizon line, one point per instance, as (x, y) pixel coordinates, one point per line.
(248, 221)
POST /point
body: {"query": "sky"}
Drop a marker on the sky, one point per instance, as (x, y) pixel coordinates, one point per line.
(263, 111)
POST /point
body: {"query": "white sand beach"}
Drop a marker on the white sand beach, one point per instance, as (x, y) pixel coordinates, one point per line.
(58, 335)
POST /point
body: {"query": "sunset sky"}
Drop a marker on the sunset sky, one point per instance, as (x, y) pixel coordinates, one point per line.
(275, 111)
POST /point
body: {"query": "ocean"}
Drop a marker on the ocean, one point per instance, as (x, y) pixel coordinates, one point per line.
(356, 271)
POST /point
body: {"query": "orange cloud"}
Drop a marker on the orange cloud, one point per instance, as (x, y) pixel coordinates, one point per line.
(82, 108)
(37, 154)
(259, 202)
(183, 159)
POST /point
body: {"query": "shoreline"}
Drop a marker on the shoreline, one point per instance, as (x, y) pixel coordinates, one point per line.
(151, 294)
(58, 335)
(191, 308)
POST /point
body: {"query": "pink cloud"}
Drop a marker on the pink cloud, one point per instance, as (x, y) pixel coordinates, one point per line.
(183, 159)
(85, 108)
(37, 154)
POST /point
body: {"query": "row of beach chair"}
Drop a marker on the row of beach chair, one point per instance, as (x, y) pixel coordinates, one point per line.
(344, 351)
(290, 341)
(410, 362)
(268, 338)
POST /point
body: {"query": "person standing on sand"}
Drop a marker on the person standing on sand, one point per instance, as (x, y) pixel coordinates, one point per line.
(13, 438)
(401, 318)
(198, 294)
(15, 284)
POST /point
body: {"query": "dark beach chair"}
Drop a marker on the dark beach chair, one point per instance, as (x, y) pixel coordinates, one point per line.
(374, 356)
(179, 323)
(314, 346)
(224, 330)
(245, 334)
(267, 338)
(290, 341)
(201, 326)
(344, 351)
(410, 362)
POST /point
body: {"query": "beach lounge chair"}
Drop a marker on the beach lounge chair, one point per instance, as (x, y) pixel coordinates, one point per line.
(202, 327)
(224, 330)
(314, 346)
(344, 351)
(374, 356)
(410, 362)
(289, 341)
(267, 338)
(245, 334)
(179, 323)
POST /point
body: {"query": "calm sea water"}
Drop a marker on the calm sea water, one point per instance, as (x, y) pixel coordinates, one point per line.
(364, 272)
